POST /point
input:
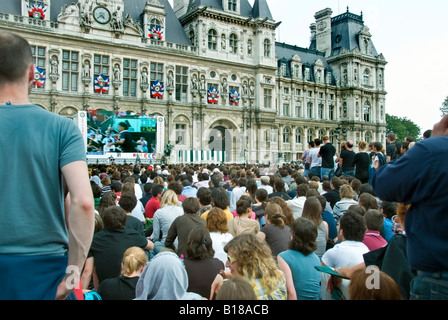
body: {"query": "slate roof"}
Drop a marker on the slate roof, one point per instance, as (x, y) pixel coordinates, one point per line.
(174, 31)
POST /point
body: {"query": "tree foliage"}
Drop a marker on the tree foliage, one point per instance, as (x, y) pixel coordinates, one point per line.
(402, 127)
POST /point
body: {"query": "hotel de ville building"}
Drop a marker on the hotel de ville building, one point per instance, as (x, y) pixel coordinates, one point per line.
(211, 69)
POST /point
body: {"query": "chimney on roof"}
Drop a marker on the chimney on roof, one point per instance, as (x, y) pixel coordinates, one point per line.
(323, 31)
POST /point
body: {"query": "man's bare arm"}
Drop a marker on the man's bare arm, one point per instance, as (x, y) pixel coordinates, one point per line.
(80, 220)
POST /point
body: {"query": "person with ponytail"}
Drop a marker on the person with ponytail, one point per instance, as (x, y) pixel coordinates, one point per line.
(123, 287)
(275, 232)
(199, 261)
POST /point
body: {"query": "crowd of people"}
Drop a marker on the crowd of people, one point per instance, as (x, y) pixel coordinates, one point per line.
(267, 226)
(199, 232)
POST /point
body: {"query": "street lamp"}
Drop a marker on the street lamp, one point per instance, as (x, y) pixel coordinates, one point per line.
(340, 134)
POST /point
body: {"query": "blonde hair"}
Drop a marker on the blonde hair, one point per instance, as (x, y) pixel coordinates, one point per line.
(275, 214)
(134, 258)
(346, 191)
(255, 260)
(169, 197)
(158, 180)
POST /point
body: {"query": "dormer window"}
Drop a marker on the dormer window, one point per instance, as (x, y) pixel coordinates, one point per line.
(232, 5)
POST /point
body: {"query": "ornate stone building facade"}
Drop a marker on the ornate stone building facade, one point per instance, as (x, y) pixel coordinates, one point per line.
(211, 68)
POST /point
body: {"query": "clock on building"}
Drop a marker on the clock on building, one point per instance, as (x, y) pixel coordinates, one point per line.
(101, 15)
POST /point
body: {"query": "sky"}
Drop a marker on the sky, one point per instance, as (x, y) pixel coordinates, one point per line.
(412, 36)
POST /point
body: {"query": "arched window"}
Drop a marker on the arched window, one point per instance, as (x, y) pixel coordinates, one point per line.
(267, 48)
(212, 39)
(233, 43)
(368, 137)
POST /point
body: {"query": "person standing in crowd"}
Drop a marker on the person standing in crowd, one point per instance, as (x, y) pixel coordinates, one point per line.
(58, 193)
(362, 162)
(306, 159)
(390, 147)
(327, 152)
(315, 160)
(406, 180)
(346, 158)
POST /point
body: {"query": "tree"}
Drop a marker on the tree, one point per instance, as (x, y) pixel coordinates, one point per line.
(444, 108)
(402, 127)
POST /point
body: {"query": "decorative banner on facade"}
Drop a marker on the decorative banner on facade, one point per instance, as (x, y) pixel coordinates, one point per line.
(213, 95)
(155, 33)
(101, 83)
(37, 11)
(39, 77)
(157, 90)
(234, 97)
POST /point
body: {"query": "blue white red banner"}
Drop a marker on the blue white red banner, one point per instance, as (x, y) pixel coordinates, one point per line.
(155, 33)
(37, 10)
(234, 97)
(101, 83)
(157, 90)
(213, 95)
(39, 77)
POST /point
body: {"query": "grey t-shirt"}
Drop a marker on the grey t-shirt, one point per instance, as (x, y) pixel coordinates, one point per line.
(35, 144)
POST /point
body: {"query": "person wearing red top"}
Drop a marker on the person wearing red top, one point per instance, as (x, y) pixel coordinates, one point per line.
(372, 237)
(154, 203)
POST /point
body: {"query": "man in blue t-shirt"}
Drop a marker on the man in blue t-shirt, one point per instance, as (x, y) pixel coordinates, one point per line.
(418, 178)
(54, 210)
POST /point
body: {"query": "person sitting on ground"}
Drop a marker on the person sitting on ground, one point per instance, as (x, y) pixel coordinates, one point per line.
(123, 287)
(276, 233)
(252, 259)
(372, 237)
(164, 278)
(200, 263)
(182, 226)
(243, 222)
(298, 262)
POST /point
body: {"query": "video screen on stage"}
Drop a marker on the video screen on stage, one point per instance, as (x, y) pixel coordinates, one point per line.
(103, 130)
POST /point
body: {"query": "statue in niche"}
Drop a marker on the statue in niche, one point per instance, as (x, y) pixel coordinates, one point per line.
(86, 69)
(144, 76)
(252, 89)
(203, 83)
(245, 90)
(223, 41)
(54, 65)
(194, 82)
(117, 73)
(224, 85)
(170, 83)
(249, 47)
